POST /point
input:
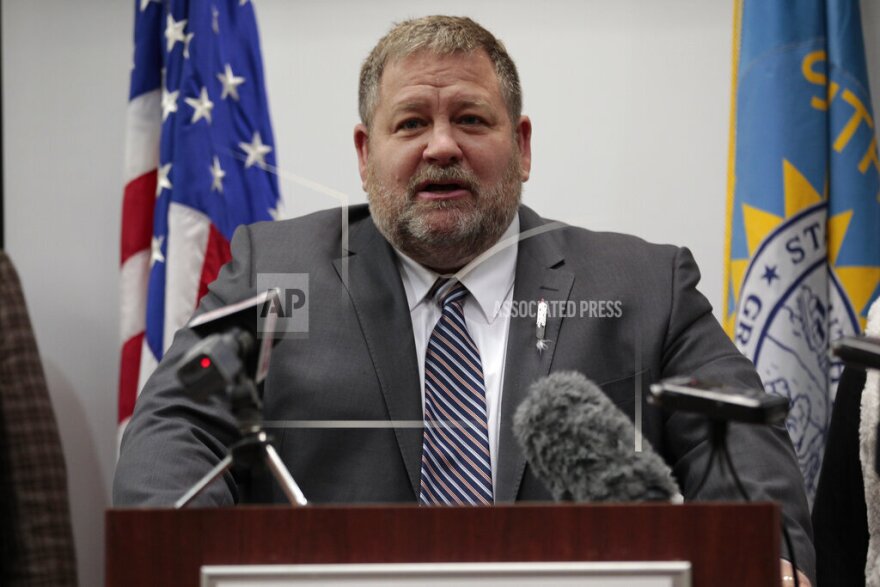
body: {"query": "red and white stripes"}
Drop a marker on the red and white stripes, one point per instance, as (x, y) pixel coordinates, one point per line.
(195, 252)
(143, 130)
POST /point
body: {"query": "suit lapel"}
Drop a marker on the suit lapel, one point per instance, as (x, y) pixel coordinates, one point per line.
(538, 276)
(379, 301)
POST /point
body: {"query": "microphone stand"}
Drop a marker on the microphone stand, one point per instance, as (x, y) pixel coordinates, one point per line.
(718, 437)
(253, 447)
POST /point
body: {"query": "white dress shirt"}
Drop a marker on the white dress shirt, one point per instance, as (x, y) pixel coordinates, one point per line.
(490, 283)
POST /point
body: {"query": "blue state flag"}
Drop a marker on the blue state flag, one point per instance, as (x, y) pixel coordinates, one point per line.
(802, 261)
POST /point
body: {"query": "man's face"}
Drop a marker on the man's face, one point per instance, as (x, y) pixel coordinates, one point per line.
(442, 163)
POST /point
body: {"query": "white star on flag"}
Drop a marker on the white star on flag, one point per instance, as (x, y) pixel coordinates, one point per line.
(201, 106)
(256, 151)
(189, 37)
(215, 20)
(163, 182)
(169, 102)
(174, 32)
(218, 174)
(156, 255)
(212, 192)
(230, 83)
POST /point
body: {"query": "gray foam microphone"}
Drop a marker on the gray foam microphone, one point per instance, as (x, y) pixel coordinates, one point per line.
(581, 445)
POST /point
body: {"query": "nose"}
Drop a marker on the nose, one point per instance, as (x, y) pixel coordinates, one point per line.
(442, 148)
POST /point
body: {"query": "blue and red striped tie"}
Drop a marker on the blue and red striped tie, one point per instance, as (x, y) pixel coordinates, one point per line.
(456, 467)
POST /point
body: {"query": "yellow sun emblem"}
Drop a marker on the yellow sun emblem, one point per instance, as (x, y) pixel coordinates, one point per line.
(859, 282)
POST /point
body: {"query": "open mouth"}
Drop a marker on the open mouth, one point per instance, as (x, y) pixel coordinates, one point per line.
(442, 189)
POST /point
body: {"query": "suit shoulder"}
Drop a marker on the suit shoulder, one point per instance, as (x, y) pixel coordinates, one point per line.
(315, 233)
(614, 245)
(619, 240)
(322, 222)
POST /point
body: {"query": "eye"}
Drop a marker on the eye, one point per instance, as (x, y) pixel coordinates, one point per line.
(471, 120)
(411, 124)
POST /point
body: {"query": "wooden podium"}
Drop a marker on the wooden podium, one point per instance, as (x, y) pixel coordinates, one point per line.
(727, 544)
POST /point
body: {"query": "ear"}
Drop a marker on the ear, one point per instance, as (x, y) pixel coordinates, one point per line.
(524, 138)
(362, 146)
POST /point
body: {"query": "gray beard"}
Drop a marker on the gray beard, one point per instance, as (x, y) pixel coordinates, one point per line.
(474, 225)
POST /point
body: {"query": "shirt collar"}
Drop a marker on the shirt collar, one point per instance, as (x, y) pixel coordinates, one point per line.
(488, 278)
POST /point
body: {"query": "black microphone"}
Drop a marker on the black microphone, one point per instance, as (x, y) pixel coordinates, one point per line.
(719, 402)
(861, 352)
(215, 362)
(236, 341)
(582, 446)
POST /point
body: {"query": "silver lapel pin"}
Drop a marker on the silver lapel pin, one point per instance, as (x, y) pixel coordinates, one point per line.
(541, 326)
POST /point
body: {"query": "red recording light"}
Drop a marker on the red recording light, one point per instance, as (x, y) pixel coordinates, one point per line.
(205, 362)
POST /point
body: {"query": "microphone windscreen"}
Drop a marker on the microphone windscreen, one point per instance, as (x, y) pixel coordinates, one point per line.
(583, 447)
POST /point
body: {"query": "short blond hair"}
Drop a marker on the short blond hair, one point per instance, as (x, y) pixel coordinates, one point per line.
(443, 35)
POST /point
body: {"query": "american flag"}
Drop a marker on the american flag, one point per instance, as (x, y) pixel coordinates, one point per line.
(198, 149)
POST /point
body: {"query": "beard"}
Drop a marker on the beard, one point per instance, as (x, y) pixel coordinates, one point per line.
(445, 235)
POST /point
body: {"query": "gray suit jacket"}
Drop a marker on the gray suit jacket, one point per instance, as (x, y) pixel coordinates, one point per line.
(358, 362)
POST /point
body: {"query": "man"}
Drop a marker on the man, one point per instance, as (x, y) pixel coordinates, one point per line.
(443, 150)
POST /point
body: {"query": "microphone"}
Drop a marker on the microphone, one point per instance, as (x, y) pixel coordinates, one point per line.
(215, 362)
(861, 352)
(581, 445)
(232, 357)
(236, 340)
(719, 402)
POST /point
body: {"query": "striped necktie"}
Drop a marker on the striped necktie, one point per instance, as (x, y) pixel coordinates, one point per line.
(456, 468)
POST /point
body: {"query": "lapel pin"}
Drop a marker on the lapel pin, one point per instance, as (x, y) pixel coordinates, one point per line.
(541, 327)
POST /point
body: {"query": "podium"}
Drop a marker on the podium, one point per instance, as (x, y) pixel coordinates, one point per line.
(727, 543)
